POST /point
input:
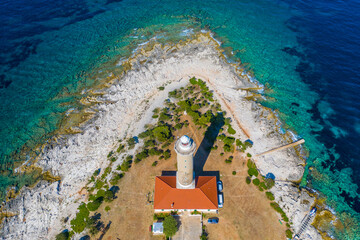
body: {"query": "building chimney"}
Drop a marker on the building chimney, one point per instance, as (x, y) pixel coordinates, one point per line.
(185, 148)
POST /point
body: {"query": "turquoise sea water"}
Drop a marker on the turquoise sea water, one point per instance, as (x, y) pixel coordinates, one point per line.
(304, 52)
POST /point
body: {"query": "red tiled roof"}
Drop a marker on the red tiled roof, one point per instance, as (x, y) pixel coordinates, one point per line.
(204, 196)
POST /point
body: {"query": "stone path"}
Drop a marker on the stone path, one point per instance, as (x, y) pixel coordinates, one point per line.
(190, 227)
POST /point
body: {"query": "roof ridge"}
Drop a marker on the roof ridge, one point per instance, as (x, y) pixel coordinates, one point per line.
(208, 179)
(159, 177)
(215, 204)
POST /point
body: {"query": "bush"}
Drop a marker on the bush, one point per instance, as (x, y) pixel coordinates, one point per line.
(193, 81)
(228, 161)
(109, 196)
(96, 172)
(149, 143)
(94, 205)
(78, 224)
(131, 142)
(248, 155)
(154, 163)
(155, 151)
(155, 116)
(227, 148)
(142, 155)
(233, 172)
(64, 235)
(115, 179)
(99, 184)
(113, 159)
(167, 154)
(125, 166)
(253, 172)
(251, 164)
(145, 134)
(269, 183)
(120, 148)
(170, 226)
(231, 130)
(107, 208)
(221, 154)
(162, 133)
(256, 182)
(161, 88)
(110, 154)
(248, 180)
(289, 233)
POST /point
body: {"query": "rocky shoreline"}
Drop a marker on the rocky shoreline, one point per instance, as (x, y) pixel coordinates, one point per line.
(124, 109)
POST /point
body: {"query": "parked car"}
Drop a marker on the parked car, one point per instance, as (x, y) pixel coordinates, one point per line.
(220, 185)
(221, 200)
(213, 220)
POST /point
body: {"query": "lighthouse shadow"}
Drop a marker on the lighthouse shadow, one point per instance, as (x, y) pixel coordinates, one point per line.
(207, 143)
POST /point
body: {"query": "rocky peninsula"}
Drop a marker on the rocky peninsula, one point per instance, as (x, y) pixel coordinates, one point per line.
(122, 110)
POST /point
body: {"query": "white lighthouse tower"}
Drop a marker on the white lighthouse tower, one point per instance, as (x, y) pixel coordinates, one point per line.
(185, 148)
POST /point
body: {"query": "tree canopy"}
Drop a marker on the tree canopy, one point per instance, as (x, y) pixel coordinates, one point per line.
(170, 226)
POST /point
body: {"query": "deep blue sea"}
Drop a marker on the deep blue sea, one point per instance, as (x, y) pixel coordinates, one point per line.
(306, 53)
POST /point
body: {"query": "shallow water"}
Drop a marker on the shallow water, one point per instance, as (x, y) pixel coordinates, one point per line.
(305, 53)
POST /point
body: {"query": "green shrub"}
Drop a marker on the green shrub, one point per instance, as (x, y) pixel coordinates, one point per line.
(178, 126)
(269, 183)
(193, 81)
(107, 208)
(162, 133)
(167, 154)
(222, 154)
(110, 154)
(248, 180)
(164, 117)
(96, 172)
(115, 179)
(149, 143)
(227, 148)
(125, 166)
(155, 116)
(165, 145)
(170, 226)
(142, 155)
(229, 140)
(78, 224)
(256, 182)
(233, 172)
(99, 184)
(131, 142)
(120, 148)
(154, 163)
(248, 155)
(94, 205)
(251, 164)
(161, 88)
(109, 196)
(228, 161)
(64, 235)
(145, 134)
(253, 172)
(289, 233)
(231, 130)
(263, 185)
(260, 188)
